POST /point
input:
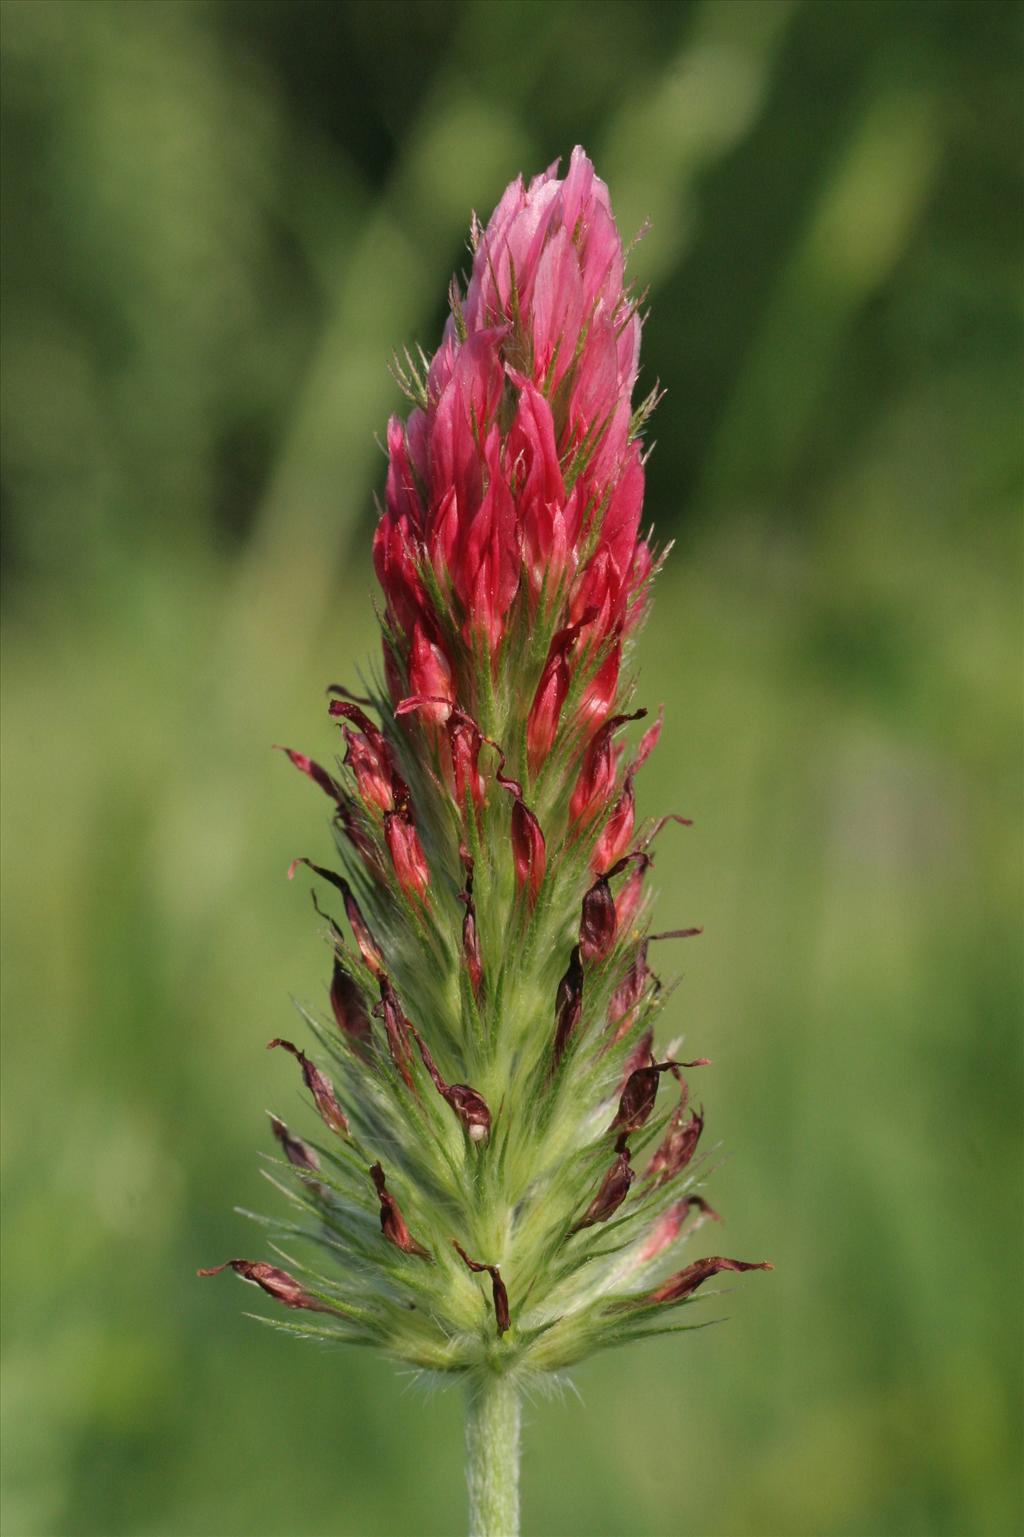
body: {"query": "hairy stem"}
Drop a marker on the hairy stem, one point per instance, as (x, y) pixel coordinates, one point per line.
(492, 1456)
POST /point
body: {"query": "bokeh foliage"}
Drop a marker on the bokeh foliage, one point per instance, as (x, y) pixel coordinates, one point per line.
(220, 219)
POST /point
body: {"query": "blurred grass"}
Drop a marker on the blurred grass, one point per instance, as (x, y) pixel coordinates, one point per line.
(219, 221)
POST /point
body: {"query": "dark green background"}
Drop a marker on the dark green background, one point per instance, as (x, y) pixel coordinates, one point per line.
(220, 220)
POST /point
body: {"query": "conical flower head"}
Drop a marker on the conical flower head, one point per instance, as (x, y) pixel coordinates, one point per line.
(515, 488)
(501, 1178)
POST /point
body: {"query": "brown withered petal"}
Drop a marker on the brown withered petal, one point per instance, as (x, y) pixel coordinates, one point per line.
(662, 823)
(353, 826)
(597, 775)
(678, 1145)
(472, 1110)
(597, 921)
(349, 1008)
(313, 771)
(568, 1004)
(529, 851)
(277, 1283)
(498, 1293)
(630, 898)
(376, 739)
(639, 1057)
(630, 990)
(471, 948)
(470, 1106)
(470, 938)
(686, 1281)
(638, 1097)
(407, 857)
(319, 1085)
(648, 742)
(397, 1028)
(327, 875)
(368, 947)
(668, 1226)
(295, 1150)
(614, 1190)
(392, 1223)
(342, 692)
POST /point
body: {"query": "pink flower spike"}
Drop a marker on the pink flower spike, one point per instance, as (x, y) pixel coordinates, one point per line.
(489, 852)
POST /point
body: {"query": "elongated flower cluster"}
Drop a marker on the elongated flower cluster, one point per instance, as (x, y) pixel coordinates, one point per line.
(504, 1169)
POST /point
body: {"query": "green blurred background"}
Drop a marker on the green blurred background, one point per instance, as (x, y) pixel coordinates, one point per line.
(220, 220)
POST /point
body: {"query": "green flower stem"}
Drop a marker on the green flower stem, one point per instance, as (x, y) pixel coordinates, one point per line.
(492, 1456)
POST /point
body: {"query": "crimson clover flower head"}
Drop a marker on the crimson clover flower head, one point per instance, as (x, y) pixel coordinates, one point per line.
(515, 487)
(504, 1171)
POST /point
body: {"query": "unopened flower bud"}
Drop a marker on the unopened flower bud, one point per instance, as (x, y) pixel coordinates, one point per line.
(430, 675)
(407, 855)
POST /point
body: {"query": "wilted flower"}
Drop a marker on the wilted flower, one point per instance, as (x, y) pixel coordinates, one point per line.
(493, 1009)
